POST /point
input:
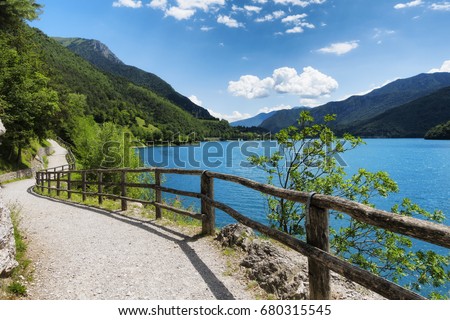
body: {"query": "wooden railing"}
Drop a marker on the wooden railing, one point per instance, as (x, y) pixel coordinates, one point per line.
(316, 247)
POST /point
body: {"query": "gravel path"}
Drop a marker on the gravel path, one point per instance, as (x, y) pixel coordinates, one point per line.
(81, 253)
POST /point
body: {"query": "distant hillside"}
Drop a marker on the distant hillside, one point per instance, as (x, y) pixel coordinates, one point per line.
(360, 108)
(101, 56)
(256, 120)
(113, 98)
(411, 120)
(253, 121)
(439, 132)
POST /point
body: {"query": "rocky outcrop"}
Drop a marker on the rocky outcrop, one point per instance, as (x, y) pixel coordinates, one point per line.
(276, 273)
(2, 128)
(281, 271)
(7, 243)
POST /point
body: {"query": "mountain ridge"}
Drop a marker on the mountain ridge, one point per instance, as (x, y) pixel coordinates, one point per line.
(359, 108)
(98, 54)
(410, 120)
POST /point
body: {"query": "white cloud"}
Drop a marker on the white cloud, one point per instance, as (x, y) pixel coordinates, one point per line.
(278, 14)
(296, 29)
(444, 68)
(301, 3)
(443, 6)
(411, 4)
(236, 8)
(298, 23)
(253, 9)
(340, 48)
(184, 9)
(127, 3)
(180, 13)
(235, 116)
(276, 108)
(204, 5)
(158, 4)
(294, 18)
(310, 83)
(380, 34)
(196, 100)
(270, 17)
(251, 87)
(307, 102)
(229, 22)
(206, 28)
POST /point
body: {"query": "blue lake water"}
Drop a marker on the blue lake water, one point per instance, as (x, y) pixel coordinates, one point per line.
(420, 167)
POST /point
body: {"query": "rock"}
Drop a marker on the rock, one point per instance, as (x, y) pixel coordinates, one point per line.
(7, 242)
(282, 272)
(2, 128)
(276, 273)
(236, 235)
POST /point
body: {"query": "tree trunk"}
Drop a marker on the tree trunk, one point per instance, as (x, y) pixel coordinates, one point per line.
(19, 155)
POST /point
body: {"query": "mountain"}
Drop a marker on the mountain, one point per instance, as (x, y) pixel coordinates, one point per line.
(253, 121)
(411, 120)
(360, 108)
(256, 120)
(101, 56)
(439, 132)
(111, 98)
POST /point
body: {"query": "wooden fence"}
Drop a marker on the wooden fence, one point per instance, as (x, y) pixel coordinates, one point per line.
(316, 247)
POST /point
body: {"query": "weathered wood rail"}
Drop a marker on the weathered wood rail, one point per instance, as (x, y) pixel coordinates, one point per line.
(316, 247)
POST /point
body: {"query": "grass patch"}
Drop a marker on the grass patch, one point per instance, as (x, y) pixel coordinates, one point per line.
(14, 287)
(144, 211)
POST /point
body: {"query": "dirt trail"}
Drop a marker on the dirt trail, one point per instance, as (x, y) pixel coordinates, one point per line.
(82, 253)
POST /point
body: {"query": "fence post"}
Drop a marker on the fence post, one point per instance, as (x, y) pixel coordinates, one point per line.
(124, 190)
(58, 183)
(38, 177)
(83, 184)
(317, 235)
(100, 187)
(158, 194)
(48, 182)
(69, 186)
(208, 211)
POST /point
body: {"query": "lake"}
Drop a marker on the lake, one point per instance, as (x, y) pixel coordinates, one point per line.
(420, 167)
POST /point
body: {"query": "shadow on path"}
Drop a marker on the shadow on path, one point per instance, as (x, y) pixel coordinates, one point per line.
(219, 290)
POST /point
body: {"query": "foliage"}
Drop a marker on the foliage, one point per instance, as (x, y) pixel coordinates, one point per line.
(13, 12)
(308, 160)
(441, 131)
(26, 100)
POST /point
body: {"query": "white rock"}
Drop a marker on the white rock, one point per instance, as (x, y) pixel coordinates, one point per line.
(7, 243)
(2, 128)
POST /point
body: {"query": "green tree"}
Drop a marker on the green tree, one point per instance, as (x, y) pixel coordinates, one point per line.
(26, 99)
(308, 160)
(15, 11)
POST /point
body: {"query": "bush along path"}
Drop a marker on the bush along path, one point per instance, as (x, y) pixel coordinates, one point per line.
(86, 253)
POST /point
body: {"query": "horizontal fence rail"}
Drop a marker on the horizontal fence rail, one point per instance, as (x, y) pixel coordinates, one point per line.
(316, 247)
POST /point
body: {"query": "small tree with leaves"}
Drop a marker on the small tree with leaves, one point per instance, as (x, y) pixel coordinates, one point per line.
(308, 159)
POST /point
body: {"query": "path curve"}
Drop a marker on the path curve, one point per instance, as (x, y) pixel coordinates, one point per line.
(81, 253)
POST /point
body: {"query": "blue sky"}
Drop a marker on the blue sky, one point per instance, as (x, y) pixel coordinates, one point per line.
(238, 58)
